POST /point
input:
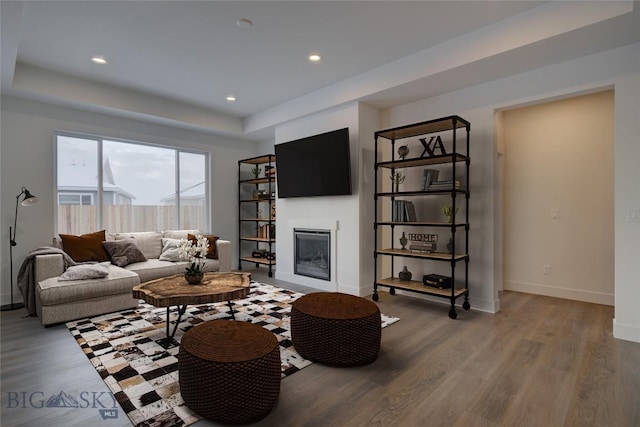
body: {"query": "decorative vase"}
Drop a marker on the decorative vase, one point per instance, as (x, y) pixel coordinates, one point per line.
(403, 241)
(405, 274)
(194, 279)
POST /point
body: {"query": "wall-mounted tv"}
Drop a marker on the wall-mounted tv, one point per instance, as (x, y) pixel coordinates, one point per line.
(318, 165)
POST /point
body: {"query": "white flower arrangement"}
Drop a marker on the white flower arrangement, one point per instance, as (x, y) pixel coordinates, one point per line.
(195, 253)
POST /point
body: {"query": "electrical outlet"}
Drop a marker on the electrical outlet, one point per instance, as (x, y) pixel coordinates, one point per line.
(555, 213)
(633, 215)
(546, 269)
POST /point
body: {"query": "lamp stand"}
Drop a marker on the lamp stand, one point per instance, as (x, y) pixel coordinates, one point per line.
(17, 305)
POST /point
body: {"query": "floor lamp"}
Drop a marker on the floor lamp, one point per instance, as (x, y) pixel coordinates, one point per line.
(28, 200)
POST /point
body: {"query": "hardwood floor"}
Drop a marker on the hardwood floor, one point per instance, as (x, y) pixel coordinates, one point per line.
(539, 362)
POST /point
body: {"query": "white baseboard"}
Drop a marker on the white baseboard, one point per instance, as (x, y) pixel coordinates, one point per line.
(626, 332)
(553, 291)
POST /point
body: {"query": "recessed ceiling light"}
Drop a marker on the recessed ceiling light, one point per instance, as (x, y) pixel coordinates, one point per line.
(231, 98)
(244, 23)
(99, 60)
(314, 58)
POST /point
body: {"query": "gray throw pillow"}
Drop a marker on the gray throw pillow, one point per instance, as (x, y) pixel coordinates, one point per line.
(170, 250)
(85, 271)
(123, 252)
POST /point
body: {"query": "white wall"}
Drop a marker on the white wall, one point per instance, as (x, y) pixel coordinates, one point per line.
(626, 324)
(618, 69)
(27, 161)
(351, 273)
(559, 155)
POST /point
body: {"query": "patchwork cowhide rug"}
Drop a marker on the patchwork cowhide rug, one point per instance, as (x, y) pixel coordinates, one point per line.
(131, 353)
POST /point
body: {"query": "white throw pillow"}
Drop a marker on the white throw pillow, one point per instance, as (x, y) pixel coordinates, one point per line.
(85, 271)
(170, 250)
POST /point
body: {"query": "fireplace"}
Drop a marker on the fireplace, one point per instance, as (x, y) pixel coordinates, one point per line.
(312, 249)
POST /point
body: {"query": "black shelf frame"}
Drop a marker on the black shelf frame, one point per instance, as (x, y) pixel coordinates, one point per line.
(268, 159)
(455, 159)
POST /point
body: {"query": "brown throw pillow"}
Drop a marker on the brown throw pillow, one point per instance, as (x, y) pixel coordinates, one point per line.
(124, 252)
(213, 250)
(87, 247)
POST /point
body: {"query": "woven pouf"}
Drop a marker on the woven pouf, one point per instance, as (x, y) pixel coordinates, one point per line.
(336, 329)
(229, 371)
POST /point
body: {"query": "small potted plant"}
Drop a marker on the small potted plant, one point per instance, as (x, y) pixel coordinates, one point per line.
(195, 253)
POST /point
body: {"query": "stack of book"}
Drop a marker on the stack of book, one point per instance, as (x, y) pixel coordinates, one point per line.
(444, 185)
(429, 176)
(267, 232)
(424, 247)
(403, 211)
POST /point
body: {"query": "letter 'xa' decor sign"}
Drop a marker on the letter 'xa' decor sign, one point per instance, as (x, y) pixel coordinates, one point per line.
(430, 150)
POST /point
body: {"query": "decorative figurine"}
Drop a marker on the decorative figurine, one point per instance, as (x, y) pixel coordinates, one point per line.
(403, 151)
(403, 241)
(397, 178)
(449, 212)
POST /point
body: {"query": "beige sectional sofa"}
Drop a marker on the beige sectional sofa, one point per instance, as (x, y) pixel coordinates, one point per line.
(63, 300)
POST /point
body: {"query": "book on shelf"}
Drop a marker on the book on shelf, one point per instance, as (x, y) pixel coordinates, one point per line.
(403, 211)
(445, 185)
(423, 247)
(428, 177)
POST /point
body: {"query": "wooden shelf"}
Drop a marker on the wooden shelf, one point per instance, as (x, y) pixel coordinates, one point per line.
(263, 180)
(420, 193)
(415, 286)
(257, 219)
(257, 200)
(440, 256)
(423, 161)
(267, 158)
(422, 224)
(257, 239)
(258, 260)
(431, 126)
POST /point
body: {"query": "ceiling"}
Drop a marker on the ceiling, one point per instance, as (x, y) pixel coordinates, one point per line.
(175, 62)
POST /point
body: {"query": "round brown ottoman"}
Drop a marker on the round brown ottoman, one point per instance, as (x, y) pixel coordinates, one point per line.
(336, 329)
(229, 371)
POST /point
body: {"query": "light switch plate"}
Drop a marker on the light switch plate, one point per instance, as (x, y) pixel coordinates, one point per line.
(633, 215)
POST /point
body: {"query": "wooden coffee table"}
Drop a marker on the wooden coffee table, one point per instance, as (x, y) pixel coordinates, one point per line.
(174, 290)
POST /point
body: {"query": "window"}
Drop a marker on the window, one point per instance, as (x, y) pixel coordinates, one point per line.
(75, 199)
(125, 186)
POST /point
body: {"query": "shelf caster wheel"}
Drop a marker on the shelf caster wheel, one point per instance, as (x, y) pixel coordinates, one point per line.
(466, 305)
(392, 291)
(375, 297)
(453, 314)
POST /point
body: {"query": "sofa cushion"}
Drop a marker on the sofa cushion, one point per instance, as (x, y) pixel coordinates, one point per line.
(52, 291)
(212, 253)
(124, 252)
(85, 271)
(154, 269)
(87, 247)
(179, 234)
(149, 242)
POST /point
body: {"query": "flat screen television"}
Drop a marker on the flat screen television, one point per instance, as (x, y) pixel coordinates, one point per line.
(318, 165)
